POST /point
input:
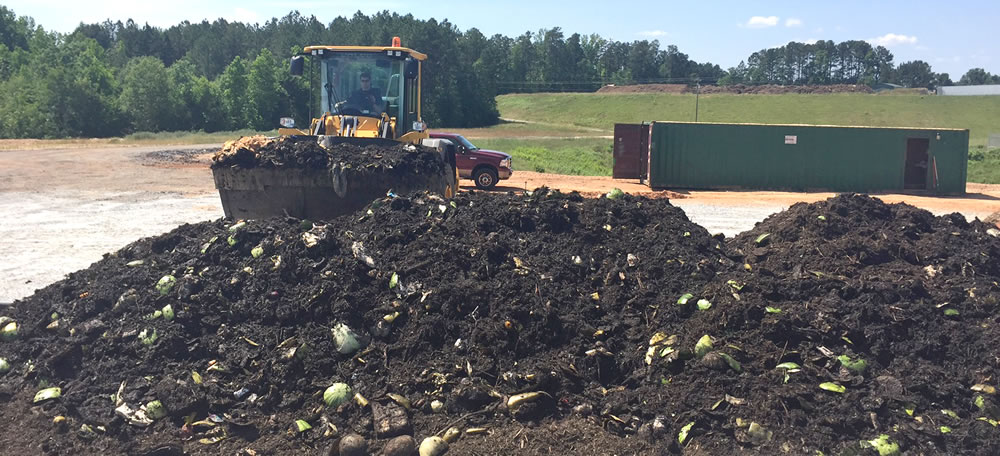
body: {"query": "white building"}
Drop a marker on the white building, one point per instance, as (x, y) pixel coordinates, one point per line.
(970, 90)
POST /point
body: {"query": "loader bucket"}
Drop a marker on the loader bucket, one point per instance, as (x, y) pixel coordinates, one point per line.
(343, 186)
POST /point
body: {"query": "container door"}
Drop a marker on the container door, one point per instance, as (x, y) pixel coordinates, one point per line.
(644, 135)
(915, 171)
(626, 151)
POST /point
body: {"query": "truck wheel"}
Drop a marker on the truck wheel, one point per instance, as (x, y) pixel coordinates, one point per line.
(485, 178)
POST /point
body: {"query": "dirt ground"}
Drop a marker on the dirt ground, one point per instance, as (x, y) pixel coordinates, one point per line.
(64, 207)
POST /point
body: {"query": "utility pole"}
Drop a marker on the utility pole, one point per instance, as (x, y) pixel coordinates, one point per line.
(697, 92)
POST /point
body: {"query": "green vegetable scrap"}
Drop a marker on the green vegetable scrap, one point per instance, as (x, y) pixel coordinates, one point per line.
(345, 340)
(857, 366)
(393, 281)
(661, 337)
(615, 193)
(165, 284)
(833, 387)
(337, 394)
(148, 337)
(167, 312)
(951, 312)
(257, 251)
(883, 445)
(4, 366)
(758, 434)
(302, 425)
(155, 410)
(703, 346)
(772, 310)
(790, 368)
(683, 434)
(733, 364)
(762, 239)
(9, 331)
(981, 388)
(704, 304)
(684, 299)
(205, 246)
(47, 393)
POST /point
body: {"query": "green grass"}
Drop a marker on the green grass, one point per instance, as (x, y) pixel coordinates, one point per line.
(978, 114)
(984, 165)
(577, 156)
(522, 130)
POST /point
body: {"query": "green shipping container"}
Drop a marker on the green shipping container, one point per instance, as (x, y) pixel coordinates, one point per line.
(807, 157)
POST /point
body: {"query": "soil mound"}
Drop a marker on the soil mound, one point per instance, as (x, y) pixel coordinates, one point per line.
(469, 302)
(552, 321)
(914, 296)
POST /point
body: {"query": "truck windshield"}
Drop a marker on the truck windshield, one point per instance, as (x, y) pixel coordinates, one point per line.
(465, 142)
(361, 83)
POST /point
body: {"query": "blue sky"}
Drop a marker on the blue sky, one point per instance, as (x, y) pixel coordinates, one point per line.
(952, 39)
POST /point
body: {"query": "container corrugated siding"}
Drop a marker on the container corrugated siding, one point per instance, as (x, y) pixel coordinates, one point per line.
(856, 159)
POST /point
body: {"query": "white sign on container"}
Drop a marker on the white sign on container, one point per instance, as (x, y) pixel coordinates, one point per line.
(791, 139)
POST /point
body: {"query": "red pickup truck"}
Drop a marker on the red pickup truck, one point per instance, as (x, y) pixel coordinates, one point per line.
(485, 167)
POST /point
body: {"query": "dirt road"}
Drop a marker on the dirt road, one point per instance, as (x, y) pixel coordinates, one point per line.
(62, 209)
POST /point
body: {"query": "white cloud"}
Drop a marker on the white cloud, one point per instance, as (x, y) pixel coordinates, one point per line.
(796, 40)
(246, 16)
(892, 39)
(762, 22)
(793, 22)
(652, 33)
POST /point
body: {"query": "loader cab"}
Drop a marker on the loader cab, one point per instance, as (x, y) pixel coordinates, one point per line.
(374, 90)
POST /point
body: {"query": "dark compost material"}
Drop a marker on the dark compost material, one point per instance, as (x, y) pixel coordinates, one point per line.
(550, 320)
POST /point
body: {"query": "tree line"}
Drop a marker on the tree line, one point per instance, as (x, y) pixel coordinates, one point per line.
(848, 62)
(114, 78)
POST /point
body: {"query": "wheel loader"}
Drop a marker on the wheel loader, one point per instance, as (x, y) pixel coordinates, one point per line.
(369, 96)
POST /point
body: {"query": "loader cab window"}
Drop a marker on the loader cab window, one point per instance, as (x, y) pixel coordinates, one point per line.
(362, 84)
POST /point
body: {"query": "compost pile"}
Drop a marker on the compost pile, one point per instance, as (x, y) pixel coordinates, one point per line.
(613, 324)
(304, 152)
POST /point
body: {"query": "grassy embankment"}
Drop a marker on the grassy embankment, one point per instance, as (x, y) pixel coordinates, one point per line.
(598, 111)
